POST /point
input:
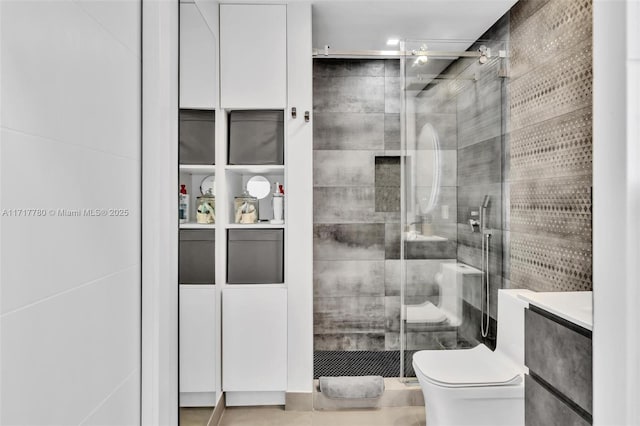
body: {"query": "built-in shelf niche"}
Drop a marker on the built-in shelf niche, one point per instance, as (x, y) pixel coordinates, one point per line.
(236, 182)
(192, 177)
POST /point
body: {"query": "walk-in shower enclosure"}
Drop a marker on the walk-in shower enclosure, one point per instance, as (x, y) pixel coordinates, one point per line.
(407, 146)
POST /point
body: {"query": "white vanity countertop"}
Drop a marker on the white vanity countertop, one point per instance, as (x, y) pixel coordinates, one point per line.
(574, 306)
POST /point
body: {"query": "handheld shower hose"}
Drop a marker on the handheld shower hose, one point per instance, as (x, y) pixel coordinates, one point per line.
(486, 239)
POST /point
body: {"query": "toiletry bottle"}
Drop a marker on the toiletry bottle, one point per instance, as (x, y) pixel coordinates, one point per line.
(281, 190)
(278, 205)
(183, 204)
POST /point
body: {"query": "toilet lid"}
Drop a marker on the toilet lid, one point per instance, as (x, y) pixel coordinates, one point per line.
(466, 367)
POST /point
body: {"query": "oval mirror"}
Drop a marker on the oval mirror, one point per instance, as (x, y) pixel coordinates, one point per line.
(430, 153)
(259, 187)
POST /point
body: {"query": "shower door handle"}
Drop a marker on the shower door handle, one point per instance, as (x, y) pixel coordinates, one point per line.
(307, 116)
(294, 113)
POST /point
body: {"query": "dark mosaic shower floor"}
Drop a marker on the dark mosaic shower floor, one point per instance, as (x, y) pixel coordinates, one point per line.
(361, 363)
(373, 363)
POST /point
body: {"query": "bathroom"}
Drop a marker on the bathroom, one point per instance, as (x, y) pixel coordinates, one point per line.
(386, 212)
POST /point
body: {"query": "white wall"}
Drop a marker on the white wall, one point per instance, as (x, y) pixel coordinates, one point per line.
(616, 196)
(159, 233)
(70, 139)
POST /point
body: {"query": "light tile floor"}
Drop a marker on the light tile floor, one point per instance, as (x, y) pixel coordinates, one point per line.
(195, 416)
(277, 416)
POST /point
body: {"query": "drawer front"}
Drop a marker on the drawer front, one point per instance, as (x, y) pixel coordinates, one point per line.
(560, 356)
(542, 408)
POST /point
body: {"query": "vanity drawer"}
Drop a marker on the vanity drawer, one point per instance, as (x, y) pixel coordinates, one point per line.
(543, 408)
(560, 354)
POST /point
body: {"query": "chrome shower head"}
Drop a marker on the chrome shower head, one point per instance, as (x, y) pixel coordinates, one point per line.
(485, 202)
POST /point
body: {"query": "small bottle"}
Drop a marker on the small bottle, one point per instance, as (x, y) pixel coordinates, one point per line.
(183, 204)
(278, 205)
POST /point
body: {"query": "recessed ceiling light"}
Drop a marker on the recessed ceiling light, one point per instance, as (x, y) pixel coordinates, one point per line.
(393, 42)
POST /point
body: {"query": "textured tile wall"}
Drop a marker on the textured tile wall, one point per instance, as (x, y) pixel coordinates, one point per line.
(551, 145)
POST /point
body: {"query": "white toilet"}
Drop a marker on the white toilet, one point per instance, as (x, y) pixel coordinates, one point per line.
(477, 386)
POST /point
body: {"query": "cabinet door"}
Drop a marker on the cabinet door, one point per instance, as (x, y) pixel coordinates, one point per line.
(254, 339)
(197, 58)
(253, 56)
(197, 339)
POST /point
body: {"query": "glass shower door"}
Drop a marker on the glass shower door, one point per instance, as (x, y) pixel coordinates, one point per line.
(451, 159)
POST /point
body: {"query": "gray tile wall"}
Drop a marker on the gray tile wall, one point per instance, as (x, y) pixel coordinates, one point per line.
(551, 145)
(356, 204)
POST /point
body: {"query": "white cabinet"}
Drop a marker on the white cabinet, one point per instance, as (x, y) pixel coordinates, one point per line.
(198, 44)
(253, 56)
(254, 339)
(198, 319)
(299, 161)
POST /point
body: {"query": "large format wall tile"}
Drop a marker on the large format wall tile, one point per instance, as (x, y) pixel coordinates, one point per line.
(432, 340)
(436, 98)
(480, 163)
(392, 313)
(349, 94)
(419, 275)
(392, 92)
(349, 314)
(444, 211)
(480, 111)
(445, 126)
(349, 67)
(430, 249)
(392, 241)
(392, 68)
(343, 168)
(345, 205)
(357, 241)
(470, 197)
(349, 341)
(425, 165)
(470, 253)
(392, 134)
(349, 131)
(348, 278)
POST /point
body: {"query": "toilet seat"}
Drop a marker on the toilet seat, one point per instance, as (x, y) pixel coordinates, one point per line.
(476, 367)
